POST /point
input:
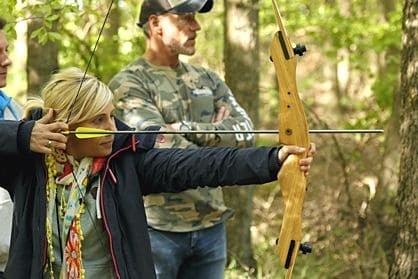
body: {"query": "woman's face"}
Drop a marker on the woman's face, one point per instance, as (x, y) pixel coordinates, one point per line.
(93, 147)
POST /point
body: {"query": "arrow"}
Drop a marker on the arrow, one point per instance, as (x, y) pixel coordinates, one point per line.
(87, 132)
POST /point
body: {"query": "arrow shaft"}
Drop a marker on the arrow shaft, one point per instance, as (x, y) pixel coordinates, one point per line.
(168, 132)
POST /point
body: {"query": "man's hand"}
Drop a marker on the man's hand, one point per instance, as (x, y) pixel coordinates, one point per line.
(304, 163)
(217, 117)
(47, 134)
(220, 115)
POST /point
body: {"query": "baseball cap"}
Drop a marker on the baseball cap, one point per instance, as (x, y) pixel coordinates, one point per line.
(158, 7)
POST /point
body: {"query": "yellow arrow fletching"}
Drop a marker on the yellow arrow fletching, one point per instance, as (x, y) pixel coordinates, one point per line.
(88, 133)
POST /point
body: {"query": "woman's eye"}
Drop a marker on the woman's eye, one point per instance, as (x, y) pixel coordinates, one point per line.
(98, 120)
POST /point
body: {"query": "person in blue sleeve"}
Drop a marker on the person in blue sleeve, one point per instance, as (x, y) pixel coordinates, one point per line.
(9, 110)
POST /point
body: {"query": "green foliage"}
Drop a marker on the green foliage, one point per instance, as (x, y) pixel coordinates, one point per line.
(76, 27)
(44, 35)
(388, 40)
(210, 54)
(6, 8)
(355, 27)
(6, 12)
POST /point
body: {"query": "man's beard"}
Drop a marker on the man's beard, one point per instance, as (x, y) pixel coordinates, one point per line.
(180, 49)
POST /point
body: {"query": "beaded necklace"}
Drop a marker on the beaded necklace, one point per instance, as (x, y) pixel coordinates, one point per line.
(61, 174)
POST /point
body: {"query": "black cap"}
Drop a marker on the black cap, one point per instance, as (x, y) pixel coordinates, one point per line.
(158, 7)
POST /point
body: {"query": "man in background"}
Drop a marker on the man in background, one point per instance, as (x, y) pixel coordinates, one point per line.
(9, 110)
(187, 230)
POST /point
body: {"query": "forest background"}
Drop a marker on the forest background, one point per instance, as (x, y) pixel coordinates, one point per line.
(360, 211)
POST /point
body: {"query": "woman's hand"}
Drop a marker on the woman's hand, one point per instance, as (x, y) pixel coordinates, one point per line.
(304, 163)
(47, 134)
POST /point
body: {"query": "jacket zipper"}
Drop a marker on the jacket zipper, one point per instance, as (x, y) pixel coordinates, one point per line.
(113, 178)
(45, 253)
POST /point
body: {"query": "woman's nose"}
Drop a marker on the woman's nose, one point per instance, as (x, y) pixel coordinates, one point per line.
(111, 125)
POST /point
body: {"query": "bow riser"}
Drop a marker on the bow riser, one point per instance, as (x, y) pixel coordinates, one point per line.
(292, 120)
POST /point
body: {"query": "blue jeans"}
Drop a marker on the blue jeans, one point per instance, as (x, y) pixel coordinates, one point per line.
(190, 255)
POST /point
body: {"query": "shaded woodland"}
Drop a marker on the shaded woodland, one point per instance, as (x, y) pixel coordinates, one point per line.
(360, 72)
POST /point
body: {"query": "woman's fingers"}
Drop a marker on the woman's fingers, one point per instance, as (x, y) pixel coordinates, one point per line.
(46, 134)
(304, 163)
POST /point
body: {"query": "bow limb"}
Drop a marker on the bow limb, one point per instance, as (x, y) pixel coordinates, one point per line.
(293, 124)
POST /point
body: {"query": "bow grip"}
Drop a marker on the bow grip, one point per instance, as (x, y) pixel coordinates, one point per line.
(293, 187)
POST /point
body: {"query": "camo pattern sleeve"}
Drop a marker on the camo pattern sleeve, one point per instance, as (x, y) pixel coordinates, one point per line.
(140, 102)
(147, 95)
(204, 84)
(151, 95)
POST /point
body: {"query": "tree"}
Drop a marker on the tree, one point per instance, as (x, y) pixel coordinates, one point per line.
(42, 56)
(108, 52)
(387, 77)
(405, 261)
(242, 75)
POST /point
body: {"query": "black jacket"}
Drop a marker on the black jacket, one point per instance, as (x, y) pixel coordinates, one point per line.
(128, 175)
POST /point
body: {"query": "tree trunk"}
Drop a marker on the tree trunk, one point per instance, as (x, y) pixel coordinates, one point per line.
(390, 160)
(388, 174)
(242, 75)
(42, 60)
(406, 246)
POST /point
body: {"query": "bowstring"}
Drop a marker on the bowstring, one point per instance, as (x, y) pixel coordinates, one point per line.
(69, 115)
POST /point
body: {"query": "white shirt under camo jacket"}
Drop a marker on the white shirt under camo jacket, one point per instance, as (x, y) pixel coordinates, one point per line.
(147, 94)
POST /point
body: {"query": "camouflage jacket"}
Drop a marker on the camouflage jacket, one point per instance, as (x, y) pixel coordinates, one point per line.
(147, 95)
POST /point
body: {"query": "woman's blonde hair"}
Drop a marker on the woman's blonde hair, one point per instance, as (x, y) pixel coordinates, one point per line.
(73, 96)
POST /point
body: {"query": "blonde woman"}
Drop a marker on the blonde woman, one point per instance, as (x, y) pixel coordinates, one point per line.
(79, 211)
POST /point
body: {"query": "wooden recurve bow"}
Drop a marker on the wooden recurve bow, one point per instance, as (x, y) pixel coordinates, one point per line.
(294, 131)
